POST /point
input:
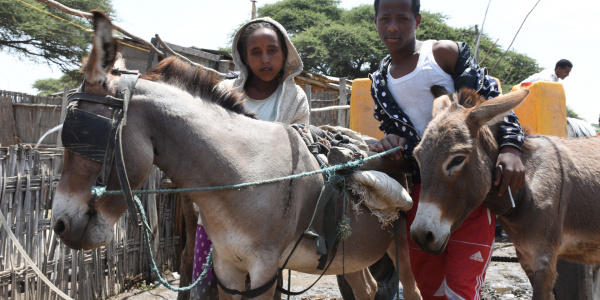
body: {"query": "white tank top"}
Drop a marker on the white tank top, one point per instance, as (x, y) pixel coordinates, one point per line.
(412, 91)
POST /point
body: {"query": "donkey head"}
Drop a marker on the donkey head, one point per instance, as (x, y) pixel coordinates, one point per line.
(456, 157)
(77, 218)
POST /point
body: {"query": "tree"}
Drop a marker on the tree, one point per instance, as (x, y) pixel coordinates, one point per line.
(299, 15)
(344, 43)
(51, 86)
(513, 68)
(330, 40)
(31, 34)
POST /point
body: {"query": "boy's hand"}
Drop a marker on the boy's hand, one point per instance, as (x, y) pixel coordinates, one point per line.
(388, 142)
(513, 170)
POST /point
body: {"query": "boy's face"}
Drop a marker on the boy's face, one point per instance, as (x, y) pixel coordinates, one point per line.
(562, 73)
(396, 24)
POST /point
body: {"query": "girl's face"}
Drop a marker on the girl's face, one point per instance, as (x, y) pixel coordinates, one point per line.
(264, 55)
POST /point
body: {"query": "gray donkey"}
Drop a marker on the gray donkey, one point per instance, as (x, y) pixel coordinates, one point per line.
(556, 212)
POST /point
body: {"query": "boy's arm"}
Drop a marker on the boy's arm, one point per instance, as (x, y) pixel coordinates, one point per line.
(456, 59)
(510, 136)
(392, 138)
(468, 74)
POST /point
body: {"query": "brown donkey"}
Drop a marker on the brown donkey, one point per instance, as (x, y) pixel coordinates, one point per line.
(556, 213)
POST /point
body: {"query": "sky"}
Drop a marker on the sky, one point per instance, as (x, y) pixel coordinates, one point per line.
(555, 29)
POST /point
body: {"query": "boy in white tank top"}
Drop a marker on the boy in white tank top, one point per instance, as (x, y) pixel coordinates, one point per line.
(403, 104)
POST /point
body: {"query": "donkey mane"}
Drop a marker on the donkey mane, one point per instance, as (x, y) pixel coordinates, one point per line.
(468, 97)
(197, 81)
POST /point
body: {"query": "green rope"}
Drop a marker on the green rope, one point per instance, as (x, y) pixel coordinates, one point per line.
(207, 266)
(100, 192)
(343, 227)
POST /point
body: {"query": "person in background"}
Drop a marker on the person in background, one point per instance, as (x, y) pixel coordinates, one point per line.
(268, 63)
(561, 70)
(403, 105)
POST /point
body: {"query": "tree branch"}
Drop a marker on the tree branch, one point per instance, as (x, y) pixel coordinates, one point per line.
(481, 33)
(513, 40)
(488, 52)
(89, 16)
(10, 43)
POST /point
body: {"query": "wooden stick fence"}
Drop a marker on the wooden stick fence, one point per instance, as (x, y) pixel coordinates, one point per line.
(31, 117)
(28, 181)
(320, 100)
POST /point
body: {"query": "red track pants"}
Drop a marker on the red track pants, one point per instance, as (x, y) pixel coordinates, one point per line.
(459, 271)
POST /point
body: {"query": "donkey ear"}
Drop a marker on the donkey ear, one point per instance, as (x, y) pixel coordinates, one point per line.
(104, 49)
(440, 104)
(487, 110)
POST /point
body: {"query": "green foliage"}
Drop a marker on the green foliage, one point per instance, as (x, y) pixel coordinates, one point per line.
(511, 70)
(299, 15)
(572, 114)
(144, 287)
(344, 43)
(70, 79)
(37, 36)
(329, 39)
(326, 50)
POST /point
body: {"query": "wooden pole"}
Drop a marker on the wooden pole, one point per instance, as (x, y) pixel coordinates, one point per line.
(343, 114)
(63, 115)
(308, 90)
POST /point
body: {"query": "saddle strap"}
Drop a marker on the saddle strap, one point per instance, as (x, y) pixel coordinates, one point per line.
(122, 173)
(125, 91)
(326, 202)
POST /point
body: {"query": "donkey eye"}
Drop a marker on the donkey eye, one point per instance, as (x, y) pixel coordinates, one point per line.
(455, 162)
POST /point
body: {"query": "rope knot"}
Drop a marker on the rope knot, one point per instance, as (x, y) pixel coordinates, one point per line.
(344, 230)
(98, 191)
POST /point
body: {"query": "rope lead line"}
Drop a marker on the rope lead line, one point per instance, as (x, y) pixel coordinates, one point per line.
(100, 192)
(207, 266)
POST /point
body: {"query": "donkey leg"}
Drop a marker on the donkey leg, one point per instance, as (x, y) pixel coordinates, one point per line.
(363, 284)
(410, 291)
(229, 276)
(540, 268)
(262, 272)
(544, 275)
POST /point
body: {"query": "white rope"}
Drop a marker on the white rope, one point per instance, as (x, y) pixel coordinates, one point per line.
(333, 107)
(29, 261)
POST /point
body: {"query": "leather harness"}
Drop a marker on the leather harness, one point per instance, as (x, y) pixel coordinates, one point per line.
(100, 138)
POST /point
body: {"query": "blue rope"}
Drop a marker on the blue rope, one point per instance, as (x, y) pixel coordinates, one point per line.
(100, 192)
(207, 266)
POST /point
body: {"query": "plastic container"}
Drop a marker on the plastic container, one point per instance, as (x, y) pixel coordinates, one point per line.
(545, 109)
(362, 108)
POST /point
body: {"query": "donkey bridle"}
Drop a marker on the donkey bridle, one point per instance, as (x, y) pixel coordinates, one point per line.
(99, 138)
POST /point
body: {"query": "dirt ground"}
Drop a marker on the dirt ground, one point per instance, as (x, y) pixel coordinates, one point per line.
(504, 281)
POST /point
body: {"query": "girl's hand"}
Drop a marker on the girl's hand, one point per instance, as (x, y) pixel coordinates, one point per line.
(388, 142)
(513, 170)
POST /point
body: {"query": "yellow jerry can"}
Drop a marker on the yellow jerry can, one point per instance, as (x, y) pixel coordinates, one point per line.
(544, 111)
(362, 108)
